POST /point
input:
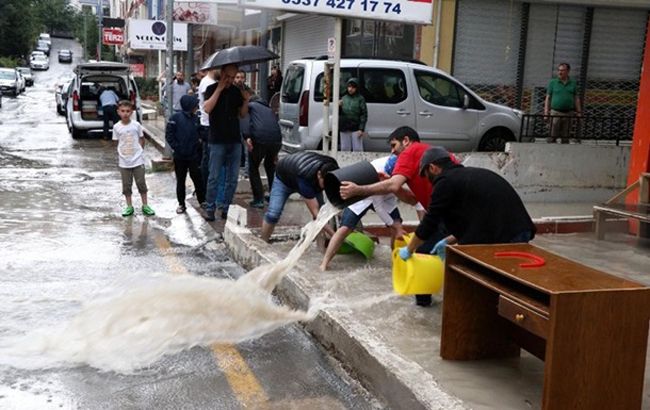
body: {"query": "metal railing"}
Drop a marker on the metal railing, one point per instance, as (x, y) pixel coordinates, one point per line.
(586, 127)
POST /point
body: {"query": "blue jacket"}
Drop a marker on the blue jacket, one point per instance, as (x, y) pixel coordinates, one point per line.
(262, 125)
(182, 132)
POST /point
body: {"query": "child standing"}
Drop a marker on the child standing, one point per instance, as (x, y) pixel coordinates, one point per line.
(182, 134)
(130, 150)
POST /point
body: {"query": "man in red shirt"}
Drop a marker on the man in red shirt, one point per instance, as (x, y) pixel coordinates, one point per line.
(405, 143)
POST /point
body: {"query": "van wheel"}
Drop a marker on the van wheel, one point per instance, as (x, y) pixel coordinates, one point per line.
(495, 140)
(76, 134)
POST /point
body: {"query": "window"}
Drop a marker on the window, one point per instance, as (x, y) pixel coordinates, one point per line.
(383, 85)
(439, 90)
(292, 84)
(319, 87)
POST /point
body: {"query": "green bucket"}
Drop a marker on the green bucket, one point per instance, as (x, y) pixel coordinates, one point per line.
(358, 242)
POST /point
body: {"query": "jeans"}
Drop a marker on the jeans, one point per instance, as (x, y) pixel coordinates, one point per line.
(109, 115)
(181, 167)
(268, 153)
(278, 198)
(223, 157)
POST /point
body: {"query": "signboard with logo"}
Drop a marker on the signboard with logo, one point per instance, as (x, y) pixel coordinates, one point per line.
(151, 35)
(112, 36)
(403, 11)
(137, 70)
(195, 12)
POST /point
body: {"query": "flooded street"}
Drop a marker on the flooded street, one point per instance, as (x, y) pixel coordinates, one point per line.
(64, 244)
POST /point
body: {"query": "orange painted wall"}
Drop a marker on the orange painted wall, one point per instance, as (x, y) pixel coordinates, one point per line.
(640, 156)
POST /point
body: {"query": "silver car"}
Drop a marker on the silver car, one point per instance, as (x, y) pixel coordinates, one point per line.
(398, 93)
(82, 109)
(10, 81)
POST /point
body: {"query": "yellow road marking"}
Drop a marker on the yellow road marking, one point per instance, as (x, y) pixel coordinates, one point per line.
(240, 377)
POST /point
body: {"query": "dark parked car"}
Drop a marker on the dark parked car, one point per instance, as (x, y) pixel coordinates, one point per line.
(65, 56)
(27, 73)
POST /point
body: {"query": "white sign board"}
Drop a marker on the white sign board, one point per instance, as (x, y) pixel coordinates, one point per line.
(403, 11)
(150, 35)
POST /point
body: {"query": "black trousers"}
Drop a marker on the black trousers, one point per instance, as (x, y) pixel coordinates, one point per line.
(268, 153)
(181, 168)
(110, 115)
(204, 133)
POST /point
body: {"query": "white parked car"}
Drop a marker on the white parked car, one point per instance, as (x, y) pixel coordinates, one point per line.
(10, 81)
(83, 113)
(398, 93)
(23, 82)
(40, 62)
(27, 74)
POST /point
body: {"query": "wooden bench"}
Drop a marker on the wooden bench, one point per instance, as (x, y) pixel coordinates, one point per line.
(615, 207)
(589, 328)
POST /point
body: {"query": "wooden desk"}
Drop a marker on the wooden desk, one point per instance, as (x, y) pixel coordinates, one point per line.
(590, 328)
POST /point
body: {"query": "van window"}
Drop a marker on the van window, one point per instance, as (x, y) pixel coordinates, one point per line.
(292, 84)
(439, 90)
(383, 85)
(319, 87)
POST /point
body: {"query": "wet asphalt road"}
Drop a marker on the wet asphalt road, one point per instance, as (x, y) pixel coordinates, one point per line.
(63, 243)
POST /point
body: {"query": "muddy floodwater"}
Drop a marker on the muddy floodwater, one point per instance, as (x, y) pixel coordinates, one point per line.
(64, 245)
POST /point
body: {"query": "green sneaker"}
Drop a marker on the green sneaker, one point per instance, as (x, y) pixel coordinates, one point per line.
(128, 211)
(146, 209)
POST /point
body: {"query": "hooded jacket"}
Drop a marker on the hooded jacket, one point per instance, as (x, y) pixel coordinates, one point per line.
(261, 125)
(354, 112)
(182, 130)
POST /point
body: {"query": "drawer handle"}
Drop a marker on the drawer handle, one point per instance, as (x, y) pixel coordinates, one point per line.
(519, 317)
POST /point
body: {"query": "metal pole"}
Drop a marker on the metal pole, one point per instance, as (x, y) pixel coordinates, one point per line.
(327, 140)
(190, 52)
(338, 29)
(264, 67)
(85, 37)
(100, 12)
(169, 66)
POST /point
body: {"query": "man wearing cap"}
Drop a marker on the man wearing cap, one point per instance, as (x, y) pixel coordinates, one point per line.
(476, 205)
(354, 114)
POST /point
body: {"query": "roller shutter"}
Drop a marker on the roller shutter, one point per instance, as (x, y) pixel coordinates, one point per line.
(306, 36)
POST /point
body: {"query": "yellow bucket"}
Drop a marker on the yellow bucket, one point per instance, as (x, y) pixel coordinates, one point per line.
(421, 274)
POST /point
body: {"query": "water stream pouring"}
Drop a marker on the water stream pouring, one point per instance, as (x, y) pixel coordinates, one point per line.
(361, 173)
(133, 330)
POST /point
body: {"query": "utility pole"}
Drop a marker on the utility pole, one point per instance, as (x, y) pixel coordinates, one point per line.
(100, 15)
(264, 67)
(169, 67)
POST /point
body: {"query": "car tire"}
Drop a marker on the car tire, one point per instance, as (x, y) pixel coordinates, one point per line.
(76, 134)
(495, 140)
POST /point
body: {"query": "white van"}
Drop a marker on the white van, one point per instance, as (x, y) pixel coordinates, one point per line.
(83, 112)
(398, 93)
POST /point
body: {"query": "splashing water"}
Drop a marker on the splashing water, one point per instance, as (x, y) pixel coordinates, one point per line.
(174, 313)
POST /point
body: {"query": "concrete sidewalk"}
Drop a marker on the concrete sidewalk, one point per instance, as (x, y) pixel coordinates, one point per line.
(390, 344)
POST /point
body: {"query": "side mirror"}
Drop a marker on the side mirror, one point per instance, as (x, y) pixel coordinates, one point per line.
(465, 101)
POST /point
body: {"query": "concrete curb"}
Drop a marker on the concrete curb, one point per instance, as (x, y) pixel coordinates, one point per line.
(400, 383)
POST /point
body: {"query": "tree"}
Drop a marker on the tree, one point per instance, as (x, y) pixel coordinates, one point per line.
(16, 28)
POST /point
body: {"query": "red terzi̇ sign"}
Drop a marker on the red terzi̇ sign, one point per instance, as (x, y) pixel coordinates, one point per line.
(112, 36)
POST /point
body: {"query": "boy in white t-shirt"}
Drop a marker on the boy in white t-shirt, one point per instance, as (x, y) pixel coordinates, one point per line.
(130, 151)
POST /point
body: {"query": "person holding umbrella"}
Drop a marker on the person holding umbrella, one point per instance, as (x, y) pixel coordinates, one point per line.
(225, 104)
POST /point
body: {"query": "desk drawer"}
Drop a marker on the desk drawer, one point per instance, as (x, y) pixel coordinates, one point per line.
(523, 317)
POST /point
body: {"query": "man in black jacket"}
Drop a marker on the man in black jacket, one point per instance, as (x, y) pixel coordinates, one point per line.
(302, 172)
(263, 141)
(476, 205)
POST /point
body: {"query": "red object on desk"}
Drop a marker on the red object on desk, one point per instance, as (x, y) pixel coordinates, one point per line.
(535, 261)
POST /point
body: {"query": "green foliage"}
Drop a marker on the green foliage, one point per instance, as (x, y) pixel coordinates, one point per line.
(16, 27)
(8, 62)
(148, 88)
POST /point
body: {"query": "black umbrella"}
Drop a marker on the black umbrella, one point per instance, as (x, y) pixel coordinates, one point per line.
(239, 55)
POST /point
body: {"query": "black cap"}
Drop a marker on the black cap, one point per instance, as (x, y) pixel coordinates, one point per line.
(432, 155)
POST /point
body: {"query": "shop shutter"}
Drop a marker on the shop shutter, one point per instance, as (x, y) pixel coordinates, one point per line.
(487, 45)
(555, 35)
(306, 36)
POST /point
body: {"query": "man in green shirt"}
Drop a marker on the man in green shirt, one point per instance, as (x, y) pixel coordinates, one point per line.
(562, 103)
